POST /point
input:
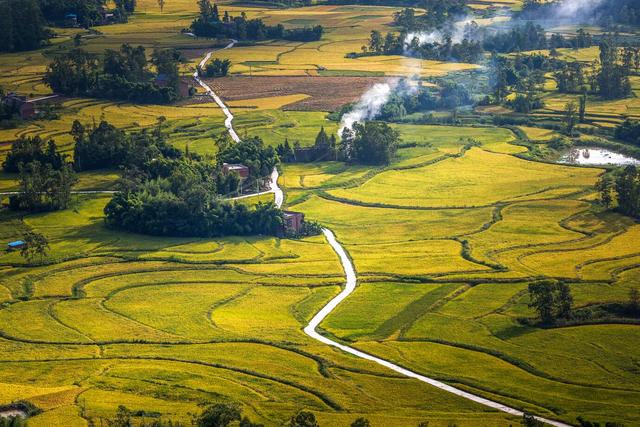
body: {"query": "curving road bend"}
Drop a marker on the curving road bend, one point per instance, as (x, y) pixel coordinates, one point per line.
(350, 286)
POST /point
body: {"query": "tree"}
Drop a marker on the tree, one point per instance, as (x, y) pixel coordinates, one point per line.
(612, 78)
(529, 420)
(605, 188)
(36, 245)
(246, 422)
(628, 191)
(161, 4)
(253, 153)
(564, 301)
(28, 149)
(23, 26)
(541, 296)
(570, 117)
(634, 300)
(217, 68)
(122, 418)
(42, 188)
(376, 42)
(361, 422)
(218, 415)
(304, 419)
(372, 143)
(551, 299)
(582, 108)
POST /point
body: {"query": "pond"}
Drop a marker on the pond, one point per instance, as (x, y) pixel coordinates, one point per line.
(596, 156)
(14, 412)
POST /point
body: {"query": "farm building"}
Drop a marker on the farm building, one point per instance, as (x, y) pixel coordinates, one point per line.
(20, 104)
(15, 246)
(25, 108)
(70, 20)
(240, 169)
(293, 222)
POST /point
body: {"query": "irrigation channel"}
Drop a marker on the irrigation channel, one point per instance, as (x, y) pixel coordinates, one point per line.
(350, 285)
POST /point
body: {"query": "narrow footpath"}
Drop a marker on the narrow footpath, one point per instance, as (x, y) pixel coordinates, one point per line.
(350, 286)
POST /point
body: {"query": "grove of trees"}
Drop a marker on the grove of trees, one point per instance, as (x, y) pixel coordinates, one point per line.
(551, 299)
(210, 23)
(122, 75)
(371, 143)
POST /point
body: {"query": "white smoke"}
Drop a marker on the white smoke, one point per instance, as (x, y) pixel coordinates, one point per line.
(575, 9)
(370, 104)
(457, 32)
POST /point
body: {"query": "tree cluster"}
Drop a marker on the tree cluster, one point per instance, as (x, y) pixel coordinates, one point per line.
(551, 299)
(251, 152)
(25, 150)
(45, 177)
(324, 148)
(437, 13)
(122, 75)
(613, 76)
(104, 146)
(43, 188)
(445, 50)
(169, 194)
(211, 24)
(629, 131)
(608, 13)
(216, 68)
(23, 26)
(370, 143)
(627, 191)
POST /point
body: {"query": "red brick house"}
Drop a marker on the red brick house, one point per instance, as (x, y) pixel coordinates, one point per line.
(293, 222)
(27, 110)
(240, 169)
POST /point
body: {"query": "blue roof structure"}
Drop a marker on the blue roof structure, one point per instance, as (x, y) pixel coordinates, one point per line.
(16, 244)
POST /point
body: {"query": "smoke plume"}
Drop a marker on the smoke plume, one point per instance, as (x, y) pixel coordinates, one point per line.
(369, 104)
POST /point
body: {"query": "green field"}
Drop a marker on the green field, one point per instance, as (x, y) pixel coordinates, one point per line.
(445, 241)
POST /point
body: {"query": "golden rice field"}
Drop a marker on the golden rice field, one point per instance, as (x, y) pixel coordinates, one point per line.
(444, 240)
(165, 324)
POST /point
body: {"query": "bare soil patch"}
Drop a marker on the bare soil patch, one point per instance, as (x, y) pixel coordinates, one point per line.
(325, 93)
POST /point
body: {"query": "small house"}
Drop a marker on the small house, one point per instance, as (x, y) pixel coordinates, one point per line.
(70, 20)
(184, 88)
(20, 104)
(16, 246)
(27, 110)
(161, 80)
(293, 222)
(240, 169)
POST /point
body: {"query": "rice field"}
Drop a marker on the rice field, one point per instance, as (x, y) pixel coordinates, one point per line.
(445, 241)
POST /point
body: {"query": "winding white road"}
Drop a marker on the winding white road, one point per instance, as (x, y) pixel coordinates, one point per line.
(229, 117)
(350, 286)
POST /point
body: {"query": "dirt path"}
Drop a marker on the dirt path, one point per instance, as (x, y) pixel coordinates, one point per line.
(350, 286)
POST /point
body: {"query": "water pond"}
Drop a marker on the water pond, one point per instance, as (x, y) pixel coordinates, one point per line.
(596, 156)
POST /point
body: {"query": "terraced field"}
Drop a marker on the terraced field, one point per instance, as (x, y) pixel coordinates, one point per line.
(444, 241)
(443, 278)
